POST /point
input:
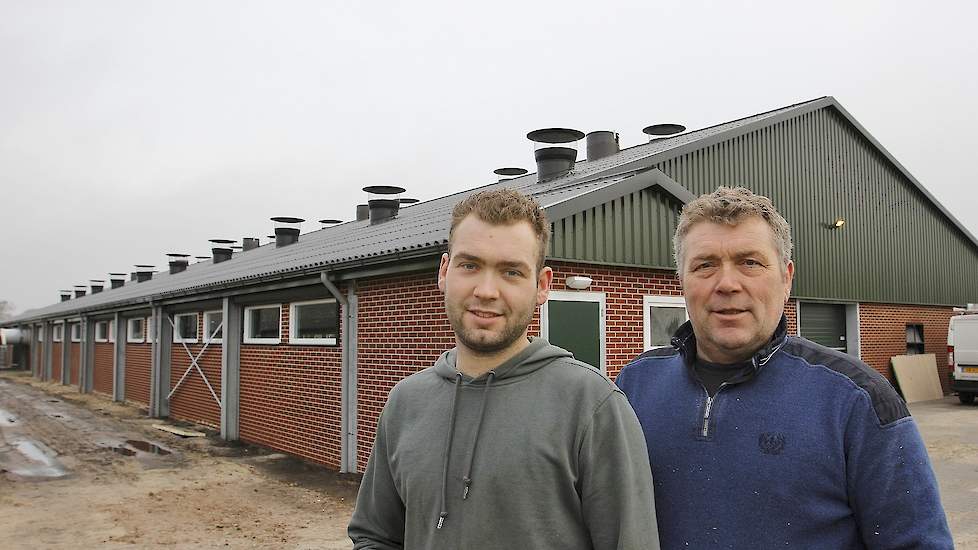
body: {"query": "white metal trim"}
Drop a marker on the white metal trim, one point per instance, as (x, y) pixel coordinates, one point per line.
(657, 300)
(247, 339)
(129, 332)
(574, 296)
(177, 339)
(294, 324)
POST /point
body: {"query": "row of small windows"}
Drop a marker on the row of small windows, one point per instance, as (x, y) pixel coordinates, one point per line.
(311, 323)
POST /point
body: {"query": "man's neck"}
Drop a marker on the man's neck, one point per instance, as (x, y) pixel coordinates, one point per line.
(474, 365)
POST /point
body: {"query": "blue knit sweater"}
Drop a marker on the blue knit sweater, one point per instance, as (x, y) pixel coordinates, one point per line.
(813, 449)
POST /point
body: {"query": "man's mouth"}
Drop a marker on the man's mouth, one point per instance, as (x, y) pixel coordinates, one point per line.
(729, 311)
(484, 314)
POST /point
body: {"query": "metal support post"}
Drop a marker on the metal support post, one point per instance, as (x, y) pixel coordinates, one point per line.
(159, 405)
(48, 355)
(231, 370)
(87, 371)
(119, 358)
(66, 354)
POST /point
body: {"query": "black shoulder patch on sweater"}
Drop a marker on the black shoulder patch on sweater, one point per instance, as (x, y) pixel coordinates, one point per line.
(658, 352)
(889, 406)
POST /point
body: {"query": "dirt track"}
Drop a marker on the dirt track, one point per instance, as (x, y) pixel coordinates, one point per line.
(86, 487)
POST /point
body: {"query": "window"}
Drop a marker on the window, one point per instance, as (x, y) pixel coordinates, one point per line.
(261, 325)
(214, 326)
(75, 332)
(134, 331)
(915, 339)
(102, 331)
(315, 322)
(58, 332)
(185, 328)
(662, 316)
(112, 330)
(40, 333)
(150, 330)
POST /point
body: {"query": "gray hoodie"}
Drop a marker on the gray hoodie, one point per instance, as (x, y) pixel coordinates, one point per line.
(542, 452)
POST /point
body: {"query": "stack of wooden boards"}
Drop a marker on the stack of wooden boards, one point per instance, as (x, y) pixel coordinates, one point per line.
(917, 376)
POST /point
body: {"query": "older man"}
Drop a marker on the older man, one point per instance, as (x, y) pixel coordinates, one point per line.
(758, 439)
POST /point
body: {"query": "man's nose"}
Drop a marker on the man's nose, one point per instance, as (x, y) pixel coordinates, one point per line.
(729, 279)
(487, 288)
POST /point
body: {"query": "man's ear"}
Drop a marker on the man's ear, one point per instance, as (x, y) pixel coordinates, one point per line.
(789, 273)
(544, 279)
(442, 272)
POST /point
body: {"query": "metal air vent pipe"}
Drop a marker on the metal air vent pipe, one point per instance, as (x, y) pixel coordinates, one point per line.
(65, 295)
(555, 150)
(80, 291)
(117, 280)
(222, 252)
(97, 285)
(363, 212)
(286, 230)
(383, 202)
(250, 243)
(144, 272)
(600, 144)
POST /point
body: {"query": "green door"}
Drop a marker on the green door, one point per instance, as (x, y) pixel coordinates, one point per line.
(576, 327)
(824, 324)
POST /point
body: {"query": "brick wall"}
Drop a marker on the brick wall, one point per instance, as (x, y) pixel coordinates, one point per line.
(102, 369)
(139, 362)
(193, 401)
(290, 397)
(74, 355)
(883, 334)
(55, 361)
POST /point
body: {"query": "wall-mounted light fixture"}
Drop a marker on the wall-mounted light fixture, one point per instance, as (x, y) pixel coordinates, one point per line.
(578, 282)
(837, 224)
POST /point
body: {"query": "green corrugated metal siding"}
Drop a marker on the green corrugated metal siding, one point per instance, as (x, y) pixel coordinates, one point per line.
(633, 230)
(895, 246)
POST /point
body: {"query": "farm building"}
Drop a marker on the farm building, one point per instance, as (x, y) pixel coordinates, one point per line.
(295, 344)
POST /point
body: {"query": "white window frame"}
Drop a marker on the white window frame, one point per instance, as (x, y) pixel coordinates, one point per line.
(71, 328)
(150, 330)
(657, 301)
(294, 324)
(207, 331)
(177, 339)
(105, 334)
(568, 296)
(40, 333)
(248, 339)
(58, 335)
(129, 332)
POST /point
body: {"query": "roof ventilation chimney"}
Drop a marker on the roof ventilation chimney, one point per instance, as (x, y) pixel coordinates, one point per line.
(250, 243)
(600, 144)
(221, 252)
(286, 230)
(659, 131)
(80, 291)
(509, 173)
(407, 200)
(65, 295)
(201, 258)
(117, 279)
(178, 262)
(382, 202)
(97, 285)
(555, 150)
(363, 212)
(143, 272)
(329, 222)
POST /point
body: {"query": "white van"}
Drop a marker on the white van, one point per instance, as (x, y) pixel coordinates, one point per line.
(962, 356)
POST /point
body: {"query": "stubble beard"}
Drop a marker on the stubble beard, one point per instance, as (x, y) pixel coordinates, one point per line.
(480, 342)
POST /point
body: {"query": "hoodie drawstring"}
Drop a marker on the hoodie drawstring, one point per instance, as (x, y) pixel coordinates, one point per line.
(448, 452)
(467, 478)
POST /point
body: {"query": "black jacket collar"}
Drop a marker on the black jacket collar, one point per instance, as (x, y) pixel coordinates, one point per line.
(684, 340)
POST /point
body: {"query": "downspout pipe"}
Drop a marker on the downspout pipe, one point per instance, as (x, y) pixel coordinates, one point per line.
(348, 365)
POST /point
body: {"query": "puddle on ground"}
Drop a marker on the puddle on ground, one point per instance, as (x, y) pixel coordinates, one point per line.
(147, 447)
(124, 451)
(7, 419)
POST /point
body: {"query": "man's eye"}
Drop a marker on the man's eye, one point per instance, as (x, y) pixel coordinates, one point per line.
(467, 266)
(513, 273)
(750, 262)
(702, 265)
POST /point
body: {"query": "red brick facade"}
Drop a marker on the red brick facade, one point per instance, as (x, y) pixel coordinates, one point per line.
(883, 334)
(290, 397)
(102, 369)
(193, 401)
(139, 362)
(56, 361)
(74, 354)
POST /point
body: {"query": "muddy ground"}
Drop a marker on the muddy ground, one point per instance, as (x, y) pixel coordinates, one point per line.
(79, 471)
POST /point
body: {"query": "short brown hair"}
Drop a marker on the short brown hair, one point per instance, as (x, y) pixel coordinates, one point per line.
(730, 206)
(504, 207)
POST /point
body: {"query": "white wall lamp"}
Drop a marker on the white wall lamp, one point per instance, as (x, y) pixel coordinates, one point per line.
(578, 282)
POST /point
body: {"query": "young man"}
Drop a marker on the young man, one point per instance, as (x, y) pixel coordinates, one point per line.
(506, 442)
(758, 439)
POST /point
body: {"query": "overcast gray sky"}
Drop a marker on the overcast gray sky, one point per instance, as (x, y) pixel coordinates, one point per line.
(129, 129)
